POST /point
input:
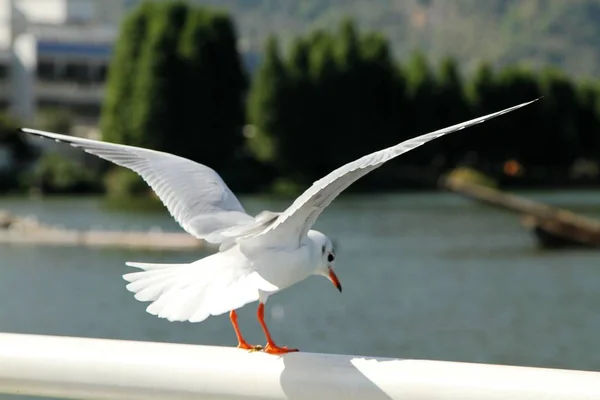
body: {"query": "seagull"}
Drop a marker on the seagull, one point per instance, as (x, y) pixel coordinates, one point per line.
(257, 256)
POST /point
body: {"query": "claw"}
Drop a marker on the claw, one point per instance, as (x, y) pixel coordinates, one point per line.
(274, 349)
(253, 349)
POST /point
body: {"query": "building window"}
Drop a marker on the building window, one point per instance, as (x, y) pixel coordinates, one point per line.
(4, 71)
(102, 73)
(45, 71)
(77, 72)
(98, 74)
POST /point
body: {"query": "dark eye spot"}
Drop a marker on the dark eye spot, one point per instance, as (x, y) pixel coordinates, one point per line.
(330, 257)
(323, 250)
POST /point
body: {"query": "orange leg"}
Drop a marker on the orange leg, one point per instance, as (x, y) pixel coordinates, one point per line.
(271, 347)
(242, 344)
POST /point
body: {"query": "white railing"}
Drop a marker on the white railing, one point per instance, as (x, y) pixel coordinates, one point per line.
(80, 368)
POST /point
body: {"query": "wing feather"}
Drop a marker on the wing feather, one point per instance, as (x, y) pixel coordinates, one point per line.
(195, 195)
(296, 220)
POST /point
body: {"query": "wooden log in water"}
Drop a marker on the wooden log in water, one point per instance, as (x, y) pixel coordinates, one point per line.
(553, 227)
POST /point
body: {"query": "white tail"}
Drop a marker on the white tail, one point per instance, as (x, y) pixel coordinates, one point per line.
(149, 284)
(193, 292)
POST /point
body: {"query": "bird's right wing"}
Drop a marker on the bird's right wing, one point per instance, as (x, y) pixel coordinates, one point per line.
(195, 195)
(291, 225)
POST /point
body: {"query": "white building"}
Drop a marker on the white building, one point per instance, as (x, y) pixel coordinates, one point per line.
(56, 53)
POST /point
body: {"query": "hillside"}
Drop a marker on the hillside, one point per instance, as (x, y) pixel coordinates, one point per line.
(537, 32)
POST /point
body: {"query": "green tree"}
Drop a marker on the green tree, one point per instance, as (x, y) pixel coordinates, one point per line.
(379, 104)
(558, 121)
(18, 151)
(347, 45)
(588, 118)
(54, 173)
(335, 96)
(116, 123)
(265, 107)
(420, 108)
(300, 104)
(451, 107)
(158, 86)
(177, 85)
(55, 120)
(211, 98)
(483, 97)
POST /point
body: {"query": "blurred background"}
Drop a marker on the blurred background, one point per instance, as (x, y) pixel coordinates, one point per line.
(274, 95)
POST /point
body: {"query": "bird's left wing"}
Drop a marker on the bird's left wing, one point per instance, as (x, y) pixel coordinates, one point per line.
(195, 195)
(296, 220)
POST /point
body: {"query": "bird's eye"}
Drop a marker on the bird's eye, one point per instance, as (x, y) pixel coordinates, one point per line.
(330, 257)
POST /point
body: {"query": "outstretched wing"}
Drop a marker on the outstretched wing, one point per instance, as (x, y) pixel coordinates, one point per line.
(194, 194)
(296, 221)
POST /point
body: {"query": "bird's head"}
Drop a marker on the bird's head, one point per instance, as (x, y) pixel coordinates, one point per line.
(325, 257)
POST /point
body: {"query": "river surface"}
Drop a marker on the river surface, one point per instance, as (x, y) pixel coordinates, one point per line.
(429, 276)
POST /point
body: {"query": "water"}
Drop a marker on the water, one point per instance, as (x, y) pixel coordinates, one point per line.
(431, 276)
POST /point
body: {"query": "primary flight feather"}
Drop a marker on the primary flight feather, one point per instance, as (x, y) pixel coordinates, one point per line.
(258, 256)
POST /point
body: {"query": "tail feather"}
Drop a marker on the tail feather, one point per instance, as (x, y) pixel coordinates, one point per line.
(150, 289)
(152, 266)
(148, 285)
(192, 292)
(180, 305)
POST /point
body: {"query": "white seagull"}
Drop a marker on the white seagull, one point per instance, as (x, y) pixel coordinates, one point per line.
(258, 256)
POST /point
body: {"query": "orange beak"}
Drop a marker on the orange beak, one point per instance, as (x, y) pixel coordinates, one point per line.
(334, 279)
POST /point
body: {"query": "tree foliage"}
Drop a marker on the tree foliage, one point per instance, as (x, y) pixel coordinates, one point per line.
(177, 84)
(331, 97)
(334, 97)
(16, 153)
(116, 122)
(328, 91)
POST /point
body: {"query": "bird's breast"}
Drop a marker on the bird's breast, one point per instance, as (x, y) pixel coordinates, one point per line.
(283, 268)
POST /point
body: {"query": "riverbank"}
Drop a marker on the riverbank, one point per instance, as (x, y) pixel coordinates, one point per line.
(19, 230)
